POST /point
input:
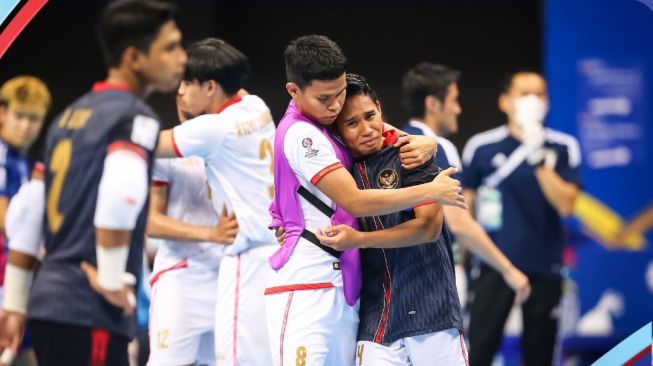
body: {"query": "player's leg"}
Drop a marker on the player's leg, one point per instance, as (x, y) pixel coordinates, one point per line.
(206, 352)
(180, 313)
(446, 347)
(342, 346)
(309, 327)
(375, 354)
(491, 302)
(240, 317)
(541, 320)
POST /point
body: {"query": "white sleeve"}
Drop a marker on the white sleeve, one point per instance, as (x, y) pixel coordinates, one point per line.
(309, 152)
(161, 171)
(199, 136)
(24, 219)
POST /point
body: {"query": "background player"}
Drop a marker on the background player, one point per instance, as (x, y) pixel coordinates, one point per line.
(430, 94)
(233, 134)
(24, 103)
(185, 274)
(98, 155)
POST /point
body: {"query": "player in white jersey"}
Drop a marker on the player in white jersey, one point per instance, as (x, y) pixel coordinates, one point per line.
(233, 132)
(185, 274)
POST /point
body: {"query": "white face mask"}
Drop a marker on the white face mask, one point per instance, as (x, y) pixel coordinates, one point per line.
(529, 110)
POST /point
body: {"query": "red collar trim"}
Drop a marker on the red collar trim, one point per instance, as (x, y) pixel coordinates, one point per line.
(390, 137)
(230, 102)
(101, 86)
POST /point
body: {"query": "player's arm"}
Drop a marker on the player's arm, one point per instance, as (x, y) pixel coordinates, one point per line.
(424, 228)
(161, 226)
(340, 186)
(200, 136)
(166, 147)
(472, 237)
(24, 230)
(560, 194)
(639, 225)
(121, 197)
(414, 150)
(122, 193)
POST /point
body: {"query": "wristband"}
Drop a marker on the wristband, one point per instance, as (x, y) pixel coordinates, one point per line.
(111, 264)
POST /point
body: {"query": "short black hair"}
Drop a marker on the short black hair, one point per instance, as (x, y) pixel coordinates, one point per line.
(426, 79)
(313, 57)
(508, 78)
(357, 85)
(215, 59)
(131, 23)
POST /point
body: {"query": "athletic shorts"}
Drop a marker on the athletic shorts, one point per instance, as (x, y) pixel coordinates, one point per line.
(240, 321)
(446, 348)
(182, 318)
(312, 327)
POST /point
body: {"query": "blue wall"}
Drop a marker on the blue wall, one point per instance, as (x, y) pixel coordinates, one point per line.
(599, 63)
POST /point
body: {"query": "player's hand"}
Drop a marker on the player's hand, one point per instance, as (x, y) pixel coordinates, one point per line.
(339, 237)
(446, 190)
(226, 230)
(519, 283)
(123, 298)
(280, 234)
(12, 328)
(415, 151)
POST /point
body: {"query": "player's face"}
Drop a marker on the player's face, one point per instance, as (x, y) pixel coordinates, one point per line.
(360, 125)
(163, 64)
(20, 128)
(523, 84)
(192, 99)
(447, 115)
(322, 100)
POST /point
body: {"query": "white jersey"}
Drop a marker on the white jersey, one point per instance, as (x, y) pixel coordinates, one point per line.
(311, 157)
(237, 146)
(189, 201)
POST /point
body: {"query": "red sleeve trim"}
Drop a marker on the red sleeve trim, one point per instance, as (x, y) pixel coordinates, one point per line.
(174, 144)
(128, 146)
(317, 177)
(424, 203)
(159, 183)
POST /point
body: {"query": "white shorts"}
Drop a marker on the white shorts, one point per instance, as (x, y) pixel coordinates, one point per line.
(443, 348)
(182, 316)
(240, 322)
(312, 327)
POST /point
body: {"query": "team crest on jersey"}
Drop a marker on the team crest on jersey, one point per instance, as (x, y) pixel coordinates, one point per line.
(307, 143)
(387, 179)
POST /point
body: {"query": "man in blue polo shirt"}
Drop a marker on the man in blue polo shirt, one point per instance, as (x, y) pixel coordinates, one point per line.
(430, 94)
(522, 177)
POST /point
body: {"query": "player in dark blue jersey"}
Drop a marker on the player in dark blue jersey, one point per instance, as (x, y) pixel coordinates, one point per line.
(430, 94)
(410, 313)
(98, 160)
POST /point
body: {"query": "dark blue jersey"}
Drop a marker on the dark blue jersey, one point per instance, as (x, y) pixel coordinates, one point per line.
(77, 144)
(446, 156)
(15, 170)
(531, 235)
(408, 291)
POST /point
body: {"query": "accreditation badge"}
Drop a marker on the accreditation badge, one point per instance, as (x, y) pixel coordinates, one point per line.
(489, 208)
